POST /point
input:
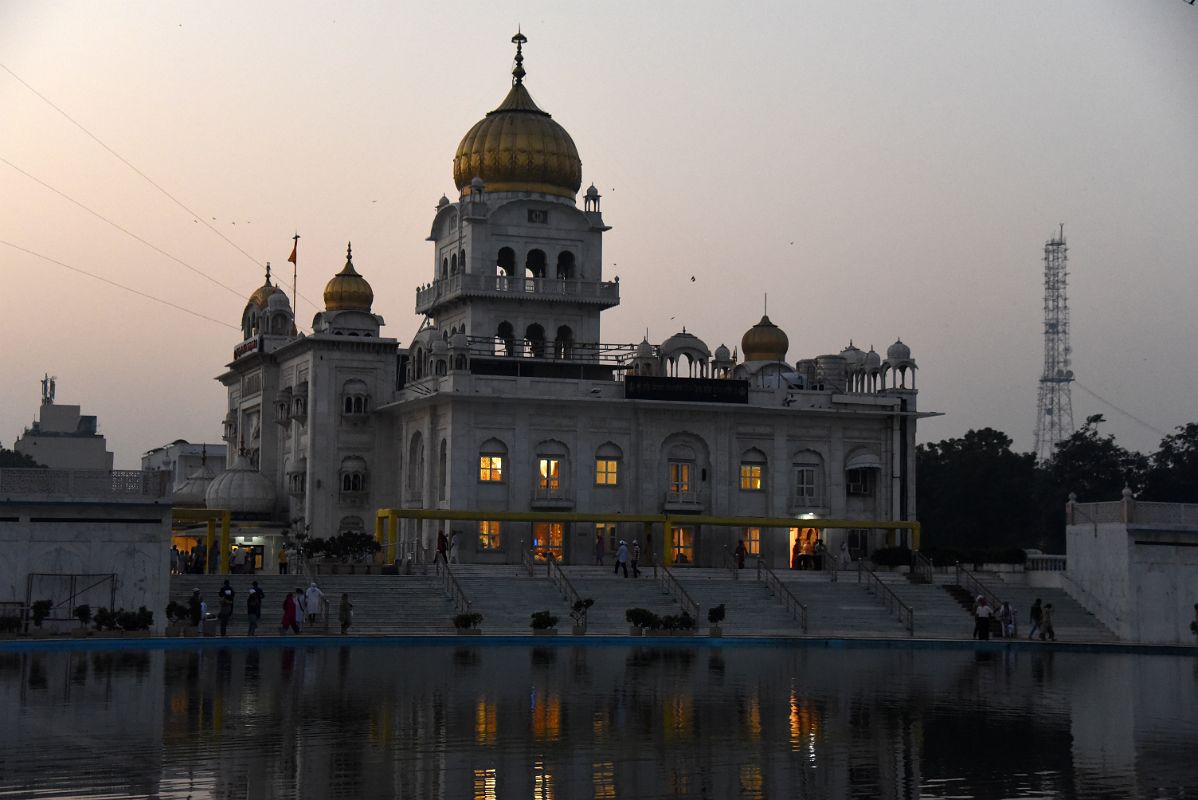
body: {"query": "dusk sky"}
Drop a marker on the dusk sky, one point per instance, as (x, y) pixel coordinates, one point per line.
(880, 170)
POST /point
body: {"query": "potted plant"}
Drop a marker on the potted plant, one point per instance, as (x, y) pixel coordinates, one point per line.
(579, 614)
(10, 626)
(105, 622)
(641, 620)
(176, 613)
(467, 623)
(39, 611)
(83, 613)
(136, 622)
(686, 624)
(543, 624)
(715, 615)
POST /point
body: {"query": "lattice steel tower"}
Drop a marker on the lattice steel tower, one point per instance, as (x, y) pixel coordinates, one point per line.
(1054, 410)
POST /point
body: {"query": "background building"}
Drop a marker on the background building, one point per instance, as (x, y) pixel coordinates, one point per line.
(63, 438)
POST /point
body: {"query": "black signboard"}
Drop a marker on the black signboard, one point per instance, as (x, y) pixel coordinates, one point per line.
(686, 390)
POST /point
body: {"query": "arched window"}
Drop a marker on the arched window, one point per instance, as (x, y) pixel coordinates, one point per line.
(353, 475)
(534, 335)
(354, 399)
(752, 471)
(808, 479)
(550, 467)
(462, 261)
(505, 267)
(453, 264)
(492, 461)
(505, 339)
(607, 465)
(444, 267)
(416, 462)
(565, 265)
(534, 265)
(564, 343)
(681, 462)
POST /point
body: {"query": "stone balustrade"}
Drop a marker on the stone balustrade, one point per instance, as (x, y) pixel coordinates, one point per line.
(84, 484)
(601, 293)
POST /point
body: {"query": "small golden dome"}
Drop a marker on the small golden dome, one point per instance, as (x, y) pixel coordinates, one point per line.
(765, 341)
(347, 290)
(518, 147)
(263, 293)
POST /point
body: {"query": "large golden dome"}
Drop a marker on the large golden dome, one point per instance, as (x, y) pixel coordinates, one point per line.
(765, 341)
(518, 147)
(347, 290)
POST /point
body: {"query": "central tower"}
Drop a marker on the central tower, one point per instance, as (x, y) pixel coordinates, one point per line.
(1054, 409)
(517, 265)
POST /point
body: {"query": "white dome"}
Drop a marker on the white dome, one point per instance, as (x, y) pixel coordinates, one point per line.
(278, 302)
(644, 349)
(872, 359)
(853, 356)
(684, 341)
(722, 353)
(241, 489)
(898, 352)
(193, 490)
(459, 341)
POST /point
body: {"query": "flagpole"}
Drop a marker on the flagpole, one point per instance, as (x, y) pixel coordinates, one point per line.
(294, 271)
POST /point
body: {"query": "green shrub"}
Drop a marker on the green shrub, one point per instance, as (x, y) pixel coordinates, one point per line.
(104, 620)
(643, 618)
(715, 614)
(175, 612)
(40, 610)
(543, 620)
(470, 619)
(83, 613)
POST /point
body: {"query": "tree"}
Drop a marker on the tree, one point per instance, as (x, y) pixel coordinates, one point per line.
(1173, 474)
(11, 459)
(975, 493)
(1093, 466)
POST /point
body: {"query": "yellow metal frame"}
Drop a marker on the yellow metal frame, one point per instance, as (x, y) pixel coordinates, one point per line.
(210, 516)
(386, 524)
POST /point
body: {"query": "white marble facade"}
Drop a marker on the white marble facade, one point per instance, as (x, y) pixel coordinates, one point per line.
(507, 399)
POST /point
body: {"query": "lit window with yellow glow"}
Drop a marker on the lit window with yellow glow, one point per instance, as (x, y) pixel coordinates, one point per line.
(490, 468)
(607, 472)
(680, 476)
(549, 473)
(750, 477)
(752, 541)
(488, 534)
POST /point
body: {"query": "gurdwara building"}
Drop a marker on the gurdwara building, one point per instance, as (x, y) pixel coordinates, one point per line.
(507, 398)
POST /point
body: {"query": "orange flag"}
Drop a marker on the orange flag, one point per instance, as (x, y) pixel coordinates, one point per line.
(291, 258)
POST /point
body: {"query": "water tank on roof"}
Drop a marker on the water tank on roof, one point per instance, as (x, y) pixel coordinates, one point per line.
(830, 372)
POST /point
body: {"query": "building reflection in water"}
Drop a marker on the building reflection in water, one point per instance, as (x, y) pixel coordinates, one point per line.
(603, 722)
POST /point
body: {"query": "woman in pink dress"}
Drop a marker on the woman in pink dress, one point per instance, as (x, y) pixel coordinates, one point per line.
(288, 615)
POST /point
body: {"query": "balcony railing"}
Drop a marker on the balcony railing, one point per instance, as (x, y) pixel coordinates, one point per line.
(685, 500)
(603, 293)
(84, 484)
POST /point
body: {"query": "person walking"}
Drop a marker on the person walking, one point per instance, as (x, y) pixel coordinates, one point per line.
(313, 600)
(600, 549)
(290, 614)
(1006, 615)
(345, 614)
(442, 548)
(636, 558)
(454, 537)
(983, 614)
(1046, 627)
(174, 559)
(195, 608)
(301, 610)
(226, 607)
(621, 559)
(740, 552)
(1035, 617)
(253, 607)
(283, 559)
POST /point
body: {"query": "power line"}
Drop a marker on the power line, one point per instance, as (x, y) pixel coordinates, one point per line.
(126, 162)
(125, 231)
(1116, 408)
(118, 285)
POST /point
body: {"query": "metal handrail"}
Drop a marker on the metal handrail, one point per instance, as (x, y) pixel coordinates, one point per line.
(452, 588)
(892, 601)
(730, 564)
(562, 581)
(780, 590)
(671, 586)
(526, 559)
(922, 567)
(968, 580)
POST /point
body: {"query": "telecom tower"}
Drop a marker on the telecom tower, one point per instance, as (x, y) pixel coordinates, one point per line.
(1054, 410)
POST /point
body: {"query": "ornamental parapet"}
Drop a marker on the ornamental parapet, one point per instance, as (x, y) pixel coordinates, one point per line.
(84, 484)
(605, 294)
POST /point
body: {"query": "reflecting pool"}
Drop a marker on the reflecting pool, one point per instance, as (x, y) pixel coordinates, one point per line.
(596, 722)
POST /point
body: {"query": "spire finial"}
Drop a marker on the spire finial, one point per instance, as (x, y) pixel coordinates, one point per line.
(349, 251)
(519, 39)
(268, 273)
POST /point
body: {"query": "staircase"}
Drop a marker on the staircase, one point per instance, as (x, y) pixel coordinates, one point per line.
(507, 596)
(614, 594)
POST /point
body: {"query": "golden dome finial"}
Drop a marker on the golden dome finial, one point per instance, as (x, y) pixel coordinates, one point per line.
(348, 291)
(519, 39)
